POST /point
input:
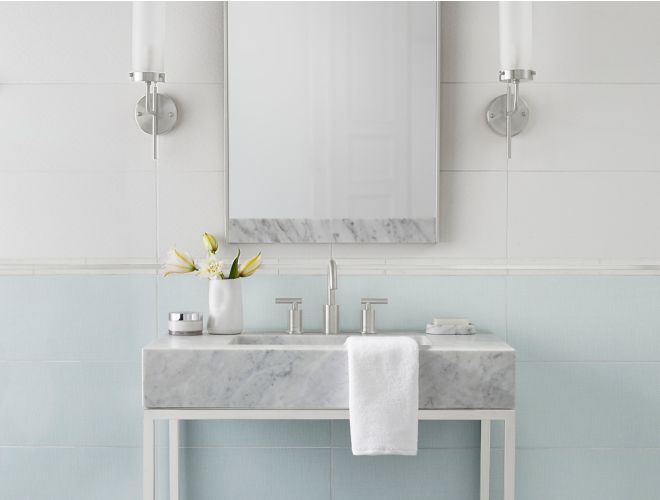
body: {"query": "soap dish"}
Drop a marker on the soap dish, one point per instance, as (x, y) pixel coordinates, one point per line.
(449, 330)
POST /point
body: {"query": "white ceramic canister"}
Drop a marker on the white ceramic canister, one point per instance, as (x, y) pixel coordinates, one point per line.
(225, 307)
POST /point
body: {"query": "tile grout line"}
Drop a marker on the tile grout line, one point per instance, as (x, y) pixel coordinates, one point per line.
(332, 463)
(221, 170)
(506, 250)
(100, 83)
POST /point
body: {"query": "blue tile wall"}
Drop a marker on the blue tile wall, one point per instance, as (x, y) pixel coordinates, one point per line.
(256, 473)
(588, 318)
(82, 318)
(587, 377)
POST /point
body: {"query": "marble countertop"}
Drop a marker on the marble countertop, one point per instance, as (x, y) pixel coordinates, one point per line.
(213, 371)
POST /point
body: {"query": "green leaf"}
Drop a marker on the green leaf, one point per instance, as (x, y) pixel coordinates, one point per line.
(233, 273)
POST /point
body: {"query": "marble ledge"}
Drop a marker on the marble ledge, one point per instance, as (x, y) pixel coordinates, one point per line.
(387, 230)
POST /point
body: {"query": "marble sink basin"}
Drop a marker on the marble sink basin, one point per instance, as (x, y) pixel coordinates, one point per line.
(309, 339)
(277, 371)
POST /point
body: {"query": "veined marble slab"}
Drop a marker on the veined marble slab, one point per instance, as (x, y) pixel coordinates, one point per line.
(403, 230)
(456, 372)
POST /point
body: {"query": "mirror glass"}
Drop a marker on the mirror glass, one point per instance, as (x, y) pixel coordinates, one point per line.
(331, 122)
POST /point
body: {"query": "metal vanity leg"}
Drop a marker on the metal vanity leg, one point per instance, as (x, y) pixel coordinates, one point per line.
(148, 459)
(509, 456)
(484, 483)
(174, 459)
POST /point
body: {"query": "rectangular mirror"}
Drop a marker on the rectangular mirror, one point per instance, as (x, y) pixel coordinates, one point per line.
(331, 113)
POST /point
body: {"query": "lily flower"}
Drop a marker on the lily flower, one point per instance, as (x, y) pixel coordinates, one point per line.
(178, 262)
(210, 268)
(210, 243)
(249, 268)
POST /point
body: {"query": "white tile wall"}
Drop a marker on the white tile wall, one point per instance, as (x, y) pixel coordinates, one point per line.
(81, 42)
(581, 127)
(467, 142)
(189, 205)
(59, 128)
(196, 143)
(469, 42)
(580, 187)
(195, 42)
(584, 214)
(77, 214)
(597, 41)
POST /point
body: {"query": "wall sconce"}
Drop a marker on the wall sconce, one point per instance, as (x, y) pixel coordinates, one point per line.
(508, 114)
(153, 112)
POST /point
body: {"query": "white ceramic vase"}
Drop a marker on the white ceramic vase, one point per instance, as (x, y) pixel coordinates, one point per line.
(225, 307)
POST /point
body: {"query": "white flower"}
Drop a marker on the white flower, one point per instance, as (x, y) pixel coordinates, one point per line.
(210, 268)
(178, 262)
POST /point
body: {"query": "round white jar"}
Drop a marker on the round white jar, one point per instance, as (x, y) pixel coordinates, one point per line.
(185, 323)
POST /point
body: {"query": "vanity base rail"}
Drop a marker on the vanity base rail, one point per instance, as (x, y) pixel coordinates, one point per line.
(175, 415)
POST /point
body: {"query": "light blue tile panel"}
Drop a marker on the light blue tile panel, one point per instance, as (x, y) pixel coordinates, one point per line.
(70, 473)
(581, 474)
(70, 404)
(261, 312)
(105, 318)
(588, 404)
(256, 473)
(415, 300)
(431, 475)
(276, 433)
(586, 318)
(445, 434)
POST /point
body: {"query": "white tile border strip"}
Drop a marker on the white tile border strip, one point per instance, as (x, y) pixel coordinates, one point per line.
(346, 266)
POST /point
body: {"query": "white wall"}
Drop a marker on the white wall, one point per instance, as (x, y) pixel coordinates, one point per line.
(78, 187)
(76, 176)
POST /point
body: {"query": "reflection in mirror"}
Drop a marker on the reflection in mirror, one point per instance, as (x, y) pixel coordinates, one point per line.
(331, 122)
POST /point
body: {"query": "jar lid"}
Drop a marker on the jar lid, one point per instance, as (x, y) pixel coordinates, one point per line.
(185, 316)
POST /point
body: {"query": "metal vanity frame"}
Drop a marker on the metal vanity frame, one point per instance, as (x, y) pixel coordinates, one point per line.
(175, 415)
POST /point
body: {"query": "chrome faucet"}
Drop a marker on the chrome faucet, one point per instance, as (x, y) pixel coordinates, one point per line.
(331, 309)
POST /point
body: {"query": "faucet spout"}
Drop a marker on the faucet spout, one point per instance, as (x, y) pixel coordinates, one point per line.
(331, 309)
(332, 281)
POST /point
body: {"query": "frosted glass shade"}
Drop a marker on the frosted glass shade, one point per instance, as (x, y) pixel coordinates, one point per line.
(515, 35)
(149, 36)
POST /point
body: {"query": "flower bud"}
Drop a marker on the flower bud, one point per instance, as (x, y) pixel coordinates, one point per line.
(210, 243)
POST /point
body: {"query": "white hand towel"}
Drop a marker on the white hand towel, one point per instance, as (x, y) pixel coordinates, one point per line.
(383, 395)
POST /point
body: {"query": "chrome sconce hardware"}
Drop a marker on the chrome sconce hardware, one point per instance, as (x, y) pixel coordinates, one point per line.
(155, 113)
(508, 114)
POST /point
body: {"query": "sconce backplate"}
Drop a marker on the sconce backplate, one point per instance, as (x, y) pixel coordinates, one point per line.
(167, 115)
(496, 116)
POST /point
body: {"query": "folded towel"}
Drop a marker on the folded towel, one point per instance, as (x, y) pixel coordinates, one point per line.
(383, 395)
(450, 330)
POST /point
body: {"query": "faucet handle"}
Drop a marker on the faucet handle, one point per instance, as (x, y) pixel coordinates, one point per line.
(367, 302)
(295, 313)
(369, 314)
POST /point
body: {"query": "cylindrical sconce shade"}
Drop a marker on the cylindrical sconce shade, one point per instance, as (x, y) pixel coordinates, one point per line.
(515, 35)
(149, 37)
